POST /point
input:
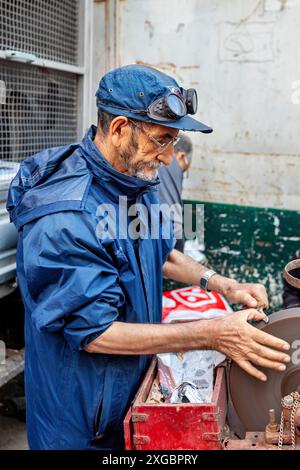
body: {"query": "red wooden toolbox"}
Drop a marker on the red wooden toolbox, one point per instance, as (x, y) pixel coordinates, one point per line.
(183, 426)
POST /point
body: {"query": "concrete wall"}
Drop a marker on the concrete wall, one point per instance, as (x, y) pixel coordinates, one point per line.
(244, 59)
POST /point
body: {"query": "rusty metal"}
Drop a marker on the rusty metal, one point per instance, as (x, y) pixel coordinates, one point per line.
(140, 440)
(285, 436)
(292, 280)
(254, 441)
(252, 399)
(212, 436)
(272, 425)
(280, 434)
(211, 416)
(289, 422)
(139, 417)
(272, 429)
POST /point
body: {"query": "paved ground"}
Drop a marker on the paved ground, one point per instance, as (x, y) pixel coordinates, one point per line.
(12, 434)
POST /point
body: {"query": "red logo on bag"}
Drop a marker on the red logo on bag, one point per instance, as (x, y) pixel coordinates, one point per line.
(193, 299)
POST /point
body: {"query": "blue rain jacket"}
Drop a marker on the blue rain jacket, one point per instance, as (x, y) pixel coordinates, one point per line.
(74, 285)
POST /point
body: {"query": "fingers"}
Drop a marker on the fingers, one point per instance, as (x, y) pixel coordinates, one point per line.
(263, 362)
(254, 315)
(246, 298)
(259, 292)
(260, 303)
(260, 336)
(250, 369)
(267, 353)
(251, 295)
(269, 340)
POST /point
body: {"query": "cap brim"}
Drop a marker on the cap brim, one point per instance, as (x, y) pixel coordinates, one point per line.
(186, 123)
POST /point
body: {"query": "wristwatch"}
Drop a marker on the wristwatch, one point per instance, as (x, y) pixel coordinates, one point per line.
(205, 278)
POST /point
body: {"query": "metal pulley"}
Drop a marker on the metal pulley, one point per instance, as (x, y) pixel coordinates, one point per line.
(292, 280)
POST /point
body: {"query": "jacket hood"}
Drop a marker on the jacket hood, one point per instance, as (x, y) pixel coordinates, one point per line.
(58, 179)
(50, 181)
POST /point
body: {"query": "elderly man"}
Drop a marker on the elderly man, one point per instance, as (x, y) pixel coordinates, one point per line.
(93, 298)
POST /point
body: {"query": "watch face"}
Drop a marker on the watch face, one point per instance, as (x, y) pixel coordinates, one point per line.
(206, 277)
(203, 283)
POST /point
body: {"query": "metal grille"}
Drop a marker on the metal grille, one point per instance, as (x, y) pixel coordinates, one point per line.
(46, 28)
(38, 109)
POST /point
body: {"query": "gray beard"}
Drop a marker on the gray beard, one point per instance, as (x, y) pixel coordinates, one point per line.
(146, 176)
(138, 171)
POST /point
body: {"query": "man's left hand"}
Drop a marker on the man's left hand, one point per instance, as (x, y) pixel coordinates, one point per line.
(250, 295)
(182, 268)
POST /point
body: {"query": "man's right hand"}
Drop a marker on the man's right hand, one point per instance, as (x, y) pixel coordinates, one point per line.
(232, 335)
(247, 345)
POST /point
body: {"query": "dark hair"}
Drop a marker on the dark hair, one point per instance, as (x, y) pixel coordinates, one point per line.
(184, 145)
(104, 120)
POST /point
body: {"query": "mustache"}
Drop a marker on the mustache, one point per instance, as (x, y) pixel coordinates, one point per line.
(151, 165)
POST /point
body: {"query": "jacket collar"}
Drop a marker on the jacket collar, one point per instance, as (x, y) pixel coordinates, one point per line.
(119, 183)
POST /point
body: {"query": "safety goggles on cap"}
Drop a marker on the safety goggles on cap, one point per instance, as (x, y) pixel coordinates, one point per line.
(146, 94)
(175, 105)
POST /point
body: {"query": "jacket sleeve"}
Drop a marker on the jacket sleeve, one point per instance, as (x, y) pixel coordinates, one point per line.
(72, 282)
(168, 238)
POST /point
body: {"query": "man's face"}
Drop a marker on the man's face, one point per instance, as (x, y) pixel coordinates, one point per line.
(142, 154)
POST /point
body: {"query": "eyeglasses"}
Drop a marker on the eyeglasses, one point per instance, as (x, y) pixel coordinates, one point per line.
(162, 147)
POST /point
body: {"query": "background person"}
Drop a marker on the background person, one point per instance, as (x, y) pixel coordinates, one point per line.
(171, 179)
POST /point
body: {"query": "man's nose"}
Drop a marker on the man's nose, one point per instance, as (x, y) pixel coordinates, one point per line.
(165, 157)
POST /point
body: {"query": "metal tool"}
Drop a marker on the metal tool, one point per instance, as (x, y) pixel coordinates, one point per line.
(266, 318)
(252, 399)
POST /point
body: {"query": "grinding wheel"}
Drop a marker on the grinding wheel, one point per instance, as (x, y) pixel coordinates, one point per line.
(253, 398)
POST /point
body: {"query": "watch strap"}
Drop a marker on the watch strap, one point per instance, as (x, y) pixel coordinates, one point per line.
(205, 278)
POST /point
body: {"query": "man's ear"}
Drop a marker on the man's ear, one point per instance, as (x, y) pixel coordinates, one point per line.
(180, 155)
(181, 160)
(119, 130)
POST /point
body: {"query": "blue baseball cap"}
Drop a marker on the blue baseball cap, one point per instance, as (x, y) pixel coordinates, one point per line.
(131, 90)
